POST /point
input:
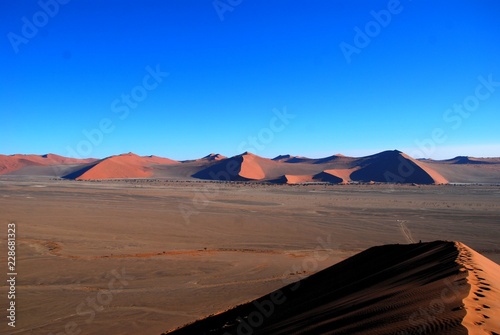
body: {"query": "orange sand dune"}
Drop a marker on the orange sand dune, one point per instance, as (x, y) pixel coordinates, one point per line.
(425, 288)
(297, 179)
(123, 166)
(482, 304)
(158, 160)
(16, 162)
(250, 168)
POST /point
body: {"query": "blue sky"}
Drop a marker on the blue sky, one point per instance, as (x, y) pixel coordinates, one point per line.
(184, 78)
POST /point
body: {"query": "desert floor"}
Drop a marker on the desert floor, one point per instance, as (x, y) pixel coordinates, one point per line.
(142, 257)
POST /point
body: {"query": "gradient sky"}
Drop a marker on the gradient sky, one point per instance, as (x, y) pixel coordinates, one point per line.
(234, 65)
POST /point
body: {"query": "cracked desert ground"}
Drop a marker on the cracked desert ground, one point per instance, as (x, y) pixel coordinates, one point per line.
(142, 257)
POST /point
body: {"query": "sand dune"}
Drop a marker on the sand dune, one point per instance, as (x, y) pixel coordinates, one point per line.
(122, 166)
(425, 288)
(395, 166)
(300, 159)
(214, 157)
(246, 166)
(17, 162)
(386, 167)
(296, 179)
(469, 160)
(208, 158)
(192, 248)
(464, 169)
(344, 174)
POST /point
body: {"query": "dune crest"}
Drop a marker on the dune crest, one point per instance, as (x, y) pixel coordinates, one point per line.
(482, 304)
(425, 288)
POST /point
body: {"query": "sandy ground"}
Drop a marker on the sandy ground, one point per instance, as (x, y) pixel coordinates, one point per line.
(130, 257)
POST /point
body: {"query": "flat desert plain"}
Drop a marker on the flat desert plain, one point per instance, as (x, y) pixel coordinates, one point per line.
(146, 256)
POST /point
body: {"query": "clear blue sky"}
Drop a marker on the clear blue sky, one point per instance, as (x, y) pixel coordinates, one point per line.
(354, 85)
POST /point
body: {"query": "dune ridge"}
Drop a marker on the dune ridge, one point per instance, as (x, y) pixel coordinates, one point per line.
(438, 287)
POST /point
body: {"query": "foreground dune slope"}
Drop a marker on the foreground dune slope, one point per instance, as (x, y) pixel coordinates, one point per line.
(426, 288)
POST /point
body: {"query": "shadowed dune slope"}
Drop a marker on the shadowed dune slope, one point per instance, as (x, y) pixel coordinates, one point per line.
(329, 176)
(426, 288)
(396, 167)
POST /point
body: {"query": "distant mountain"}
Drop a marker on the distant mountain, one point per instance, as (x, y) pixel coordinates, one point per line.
(390, 166)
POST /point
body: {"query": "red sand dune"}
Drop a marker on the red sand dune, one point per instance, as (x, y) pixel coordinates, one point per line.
(157, 160)
(16, 162)
(425, 288)
(297, 179)
(122, 166)
(250, 168)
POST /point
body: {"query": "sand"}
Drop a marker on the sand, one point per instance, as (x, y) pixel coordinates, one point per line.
(17, 162)
(188, 249)
(123, 166)
(425, 288)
